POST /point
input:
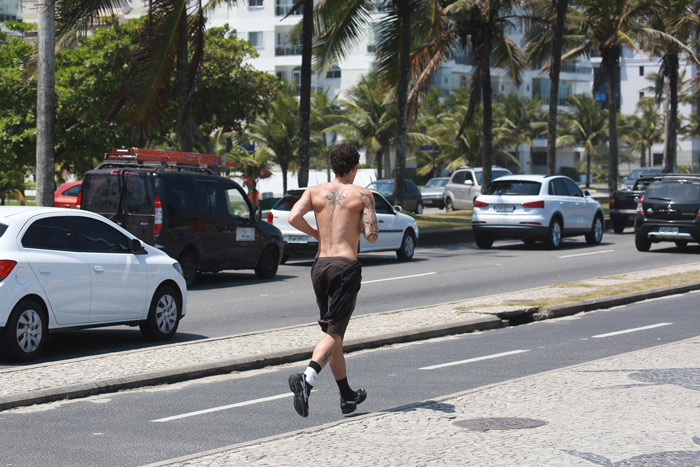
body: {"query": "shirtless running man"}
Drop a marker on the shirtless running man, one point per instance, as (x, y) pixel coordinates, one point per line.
(343, 211)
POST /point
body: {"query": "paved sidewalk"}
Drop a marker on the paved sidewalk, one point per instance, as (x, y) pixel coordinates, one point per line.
(31, 384)
(639, 408)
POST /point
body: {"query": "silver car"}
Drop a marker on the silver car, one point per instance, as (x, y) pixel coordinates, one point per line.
(434, 192)
(465, 185)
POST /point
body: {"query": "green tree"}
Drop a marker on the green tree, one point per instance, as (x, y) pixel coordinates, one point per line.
(642, 131)
(584, 126)
(521, 119)
(326, 111)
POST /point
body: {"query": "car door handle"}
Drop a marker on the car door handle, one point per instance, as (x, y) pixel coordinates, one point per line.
(98, 269)
(44, 270)
(381, 222)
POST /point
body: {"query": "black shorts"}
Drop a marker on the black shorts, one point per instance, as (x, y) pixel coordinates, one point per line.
(336, 281)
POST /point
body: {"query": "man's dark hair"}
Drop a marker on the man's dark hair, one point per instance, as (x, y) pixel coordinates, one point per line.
(343, 158)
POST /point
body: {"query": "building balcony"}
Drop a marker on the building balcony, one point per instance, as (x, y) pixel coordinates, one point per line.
(283, 9)
(288, 49)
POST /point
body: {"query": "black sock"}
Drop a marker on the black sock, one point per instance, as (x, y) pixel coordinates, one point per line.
(315, 366)
(345, 391)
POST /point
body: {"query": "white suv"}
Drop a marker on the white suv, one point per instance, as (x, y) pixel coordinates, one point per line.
(465, 185)
(536, 208)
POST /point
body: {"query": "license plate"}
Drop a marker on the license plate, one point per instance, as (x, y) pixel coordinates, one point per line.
(503, 208)
(297, 239)
(668, 230)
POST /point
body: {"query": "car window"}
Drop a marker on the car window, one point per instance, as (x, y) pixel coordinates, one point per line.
(557, 187)
(97, 237)
(458, 177)
(180, 200)
(571, 188)
(49, 233)
(435, 182)
(72, 191)
(236, 203)
(288, 201)
(381, 206)
(3, 228)
(513, 187)
(385, 188)
(678, 192)
(102, 193)
(139, 194)
(210, 199)
(412, 188)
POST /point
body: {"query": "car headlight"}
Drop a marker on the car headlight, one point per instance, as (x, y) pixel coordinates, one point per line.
(178, 268)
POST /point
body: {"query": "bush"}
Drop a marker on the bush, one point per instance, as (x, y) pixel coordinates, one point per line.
(570, 172)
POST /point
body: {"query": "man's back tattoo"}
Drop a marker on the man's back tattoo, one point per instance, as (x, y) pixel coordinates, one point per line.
(335, 198)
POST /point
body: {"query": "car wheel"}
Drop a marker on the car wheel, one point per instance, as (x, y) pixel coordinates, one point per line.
(449, 206)
(681, 243)
(408, 247)
(268, 263)
(188, 262)
(595, 236)
(419, 208)
(163, 315)
(25, 333)
(553, 239)
(483, 240)
(618, 225)
(642, 242)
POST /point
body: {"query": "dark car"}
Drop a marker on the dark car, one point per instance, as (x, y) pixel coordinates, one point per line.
(668, 212)
(628, 184)
(412, 199)
(203, 220)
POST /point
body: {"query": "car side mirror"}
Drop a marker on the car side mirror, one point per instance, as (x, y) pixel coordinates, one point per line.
(257, 215)
(137, 247)
(397, 209)
(586, 193)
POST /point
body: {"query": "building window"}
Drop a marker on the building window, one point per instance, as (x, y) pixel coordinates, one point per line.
(256, 39)
(641, 71)
(255, 2)
(334, 72)
(641, 95)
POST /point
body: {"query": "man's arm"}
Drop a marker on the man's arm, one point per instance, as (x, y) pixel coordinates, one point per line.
(370, 228)
(296, 216)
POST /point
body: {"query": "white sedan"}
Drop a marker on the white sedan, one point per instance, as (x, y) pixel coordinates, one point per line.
(67, 269)
(397, 231)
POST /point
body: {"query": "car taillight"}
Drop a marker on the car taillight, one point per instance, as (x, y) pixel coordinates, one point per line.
(640, 209)
(6, 266)
(612, 201)
(534, 204)
(78, 202)
(270, 217)
(158, 222)
(480, 204)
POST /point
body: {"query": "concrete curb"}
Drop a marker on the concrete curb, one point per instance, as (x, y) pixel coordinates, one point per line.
(486, 322)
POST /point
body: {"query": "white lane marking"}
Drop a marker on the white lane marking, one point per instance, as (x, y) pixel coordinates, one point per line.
(626, 331)
(477, 359)
(223, 407)
(587, 254)
(402, 277)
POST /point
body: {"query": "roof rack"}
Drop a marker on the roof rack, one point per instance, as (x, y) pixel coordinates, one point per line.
(157, 157)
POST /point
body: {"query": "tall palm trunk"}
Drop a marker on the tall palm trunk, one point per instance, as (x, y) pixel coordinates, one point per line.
(560, 7)
(45, 105)
(404, 14)
(184, 124)
(487, 157)
(672, 128)
(380, 162)
(611, 59)
(305, 93)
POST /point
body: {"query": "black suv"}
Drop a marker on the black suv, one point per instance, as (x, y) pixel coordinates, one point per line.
(204, 220)
(668, 212)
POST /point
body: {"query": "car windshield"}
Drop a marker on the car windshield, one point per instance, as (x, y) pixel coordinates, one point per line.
(639, 172)
(678, 192)
(513, 187)
(287, 201)
(3, 228)
(433, 182)
(384, 188)
(102, 193)
(495, 173)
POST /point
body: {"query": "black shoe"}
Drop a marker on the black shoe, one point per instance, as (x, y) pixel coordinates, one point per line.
(349, 406)
(301, 390)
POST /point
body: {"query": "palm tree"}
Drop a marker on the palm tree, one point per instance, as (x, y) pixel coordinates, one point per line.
(326, 111)
(604, 27)
(521, 120)
(645, 130)
(671, 25)
(585, 126)
(405, 24)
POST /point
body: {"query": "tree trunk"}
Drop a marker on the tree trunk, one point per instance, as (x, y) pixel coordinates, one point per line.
(487, 156)
(380, 161)
(588, 169)
(45, 105)
(184, 123)
(305, 93)
(672, 128)
(284, 177)
(404, 14)
(611, 58)
(560, 7)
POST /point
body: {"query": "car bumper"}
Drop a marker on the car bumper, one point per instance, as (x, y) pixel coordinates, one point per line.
(433, 202)
(659, 232)
(300, 245)
(534, 232)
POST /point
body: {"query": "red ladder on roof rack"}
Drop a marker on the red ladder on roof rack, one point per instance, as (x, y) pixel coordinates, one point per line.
(168, 157)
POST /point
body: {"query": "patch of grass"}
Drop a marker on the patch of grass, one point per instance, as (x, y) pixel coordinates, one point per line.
(443, 220)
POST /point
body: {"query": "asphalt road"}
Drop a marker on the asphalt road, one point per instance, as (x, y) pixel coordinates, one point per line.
(237, 302)
(151, 424)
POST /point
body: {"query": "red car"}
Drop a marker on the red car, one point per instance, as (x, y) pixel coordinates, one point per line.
(66, 195)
